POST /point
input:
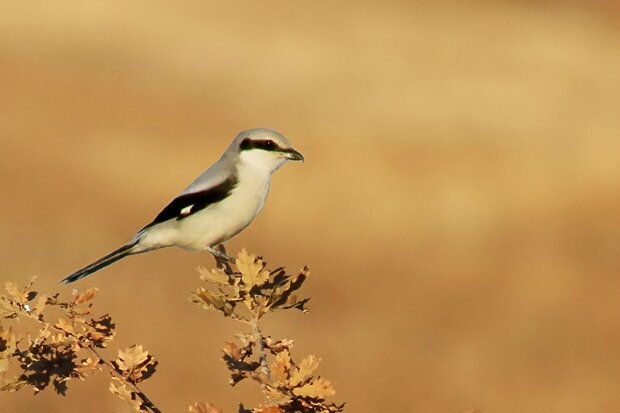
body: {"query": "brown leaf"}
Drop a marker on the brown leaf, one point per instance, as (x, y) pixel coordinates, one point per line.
(280, 368)
(246, 340)
(102, 330)
(8, 341)
(317, 389)
(64, 325)
(202, 407)
(232, 350)
(217, 276)
(135, 363)
(274, 395)
(13, 291)
(119, 388)
(304, 370)
(283, 295)
(131, 357)
(85, 296)
(210, 300)
(260, 304)
(277, 346)
(40, 306)
(87, 367)
(251, 269)
(8, 345)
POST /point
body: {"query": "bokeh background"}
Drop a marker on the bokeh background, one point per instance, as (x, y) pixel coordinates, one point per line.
(459, 205)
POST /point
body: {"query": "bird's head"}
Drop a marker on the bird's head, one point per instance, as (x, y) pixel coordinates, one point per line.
(265, 148)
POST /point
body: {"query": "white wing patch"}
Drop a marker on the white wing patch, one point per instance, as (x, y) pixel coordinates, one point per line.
(187, 210)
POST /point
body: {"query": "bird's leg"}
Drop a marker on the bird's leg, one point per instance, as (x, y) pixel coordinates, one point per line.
(222, 259)
(220, 253)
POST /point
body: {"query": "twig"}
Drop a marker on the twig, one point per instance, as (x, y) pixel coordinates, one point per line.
(145, 400)
(260, 342)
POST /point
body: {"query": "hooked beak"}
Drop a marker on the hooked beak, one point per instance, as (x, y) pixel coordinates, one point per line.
(293, 155)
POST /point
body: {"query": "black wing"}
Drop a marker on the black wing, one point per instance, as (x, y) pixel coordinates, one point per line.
(188, 204)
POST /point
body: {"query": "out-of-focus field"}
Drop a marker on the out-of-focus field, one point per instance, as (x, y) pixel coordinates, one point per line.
(459, 205)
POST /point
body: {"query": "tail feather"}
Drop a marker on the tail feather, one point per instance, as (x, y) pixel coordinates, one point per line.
(112, 257)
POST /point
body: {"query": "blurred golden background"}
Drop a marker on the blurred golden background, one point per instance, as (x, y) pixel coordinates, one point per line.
(459, 204)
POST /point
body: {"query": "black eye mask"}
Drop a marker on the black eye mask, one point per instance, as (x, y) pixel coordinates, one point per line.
(266, 145)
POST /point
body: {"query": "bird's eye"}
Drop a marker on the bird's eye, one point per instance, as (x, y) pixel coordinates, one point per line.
(268, 145)
(264, 144)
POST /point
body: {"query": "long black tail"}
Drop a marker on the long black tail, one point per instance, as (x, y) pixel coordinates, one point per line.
(112, 257)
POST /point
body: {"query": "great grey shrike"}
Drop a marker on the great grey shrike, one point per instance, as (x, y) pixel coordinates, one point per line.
(217, 205)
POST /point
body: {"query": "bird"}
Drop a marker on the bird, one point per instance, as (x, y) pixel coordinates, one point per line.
(216, 206)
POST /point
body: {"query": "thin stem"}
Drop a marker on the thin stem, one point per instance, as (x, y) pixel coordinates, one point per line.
(260, 341)
(147, 402)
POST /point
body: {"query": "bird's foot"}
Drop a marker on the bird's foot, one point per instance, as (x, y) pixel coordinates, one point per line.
(222, 260)
(221, 254)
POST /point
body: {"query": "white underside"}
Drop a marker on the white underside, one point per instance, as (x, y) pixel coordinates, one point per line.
(218, 222)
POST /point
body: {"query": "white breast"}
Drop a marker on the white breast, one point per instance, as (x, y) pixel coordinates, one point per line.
(218, 222)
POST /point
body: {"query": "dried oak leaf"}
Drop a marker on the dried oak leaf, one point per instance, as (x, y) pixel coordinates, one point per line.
(14, 293)
(316, 389)
(280, 368)
(135, 363)
(85, 296)
(210, 300)
(8, 345)
(246, 340)
(283, 294)
(247, 343)
(235, 356)
(302, 372)
(275, 396)
(15, 301)
(39, 307)
(252, 270)
(101, 331)
(231, 349)
(202, 407)
(65, 326)
(87, 367)
(121, 390)
(258, 304)
(276, 346)
(217, 276)
(8, 341)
